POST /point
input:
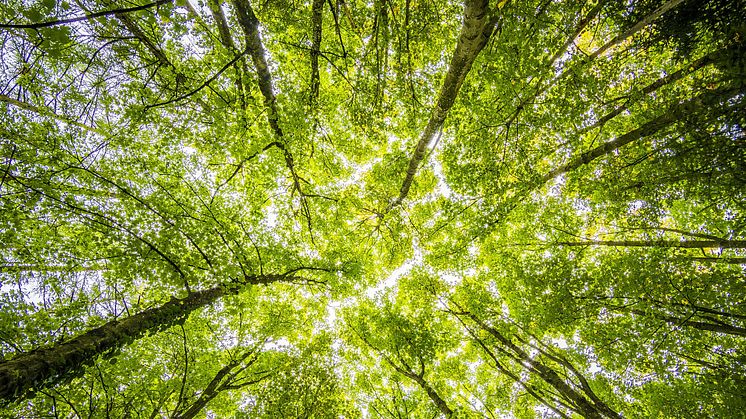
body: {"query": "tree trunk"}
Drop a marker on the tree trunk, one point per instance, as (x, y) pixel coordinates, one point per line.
(227, 40)
(735, 261)
(476, 30)
(723, 328)
(654, 86)
(434, 396)
(42, 368)
(702, 103)
(585, 407)
(250, 26)
(647, 20)
(688, 244)
(316, 22)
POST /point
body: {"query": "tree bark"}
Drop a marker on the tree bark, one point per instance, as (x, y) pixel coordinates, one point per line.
(702, 103)
(723, 328)
(585, 407)
(647, 20)
(316, 23)
(734, 261)
(652, 87)
(476, 30)
(250, 26)
(434, 396)
(227, 40)
(689, 244)
(42, 368)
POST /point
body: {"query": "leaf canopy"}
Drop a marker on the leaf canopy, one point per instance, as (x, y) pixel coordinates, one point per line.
(398, 208)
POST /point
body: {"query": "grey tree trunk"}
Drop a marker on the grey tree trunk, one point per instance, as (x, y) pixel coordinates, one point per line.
(44, 367)
(702, 103)
(475, 32)
(688, 244)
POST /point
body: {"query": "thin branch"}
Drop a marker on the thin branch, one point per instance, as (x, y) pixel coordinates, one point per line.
(200, 87)
(49, 113)
(86, 17)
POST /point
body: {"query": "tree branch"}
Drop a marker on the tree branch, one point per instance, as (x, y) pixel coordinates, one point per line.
(86, 17)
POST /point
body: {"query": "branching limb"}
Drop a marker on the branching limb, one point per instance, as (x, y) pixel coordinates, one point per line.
(406, 371)
(201, 86)
(46, 112)
(250, 25)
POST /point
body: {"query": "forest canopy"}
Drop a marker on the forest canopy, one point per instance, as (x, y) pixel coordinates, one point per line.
(376, 209)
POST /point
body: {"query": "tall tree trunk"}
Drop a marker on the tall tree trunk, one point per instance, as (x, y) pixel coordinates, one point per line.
(700, 104)
(316, 23)
(734, 261)
(588, 405)
(720, 327)
(227, 40)
(42, 368)
(644, 22)
(434, 396)
(688, 244)
(475, 32)
(690, 68)
(250, 26)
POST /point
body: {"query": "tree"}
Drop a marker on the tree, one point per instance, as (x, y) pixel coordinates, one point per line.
(391, 209)
(39, 368)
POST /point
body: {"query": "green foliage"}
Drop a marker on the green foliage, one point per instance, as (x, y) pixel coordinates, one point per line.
(575, 231)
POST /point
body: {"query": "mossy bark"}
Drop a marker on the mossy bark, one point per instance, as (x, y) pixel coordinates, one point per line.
(44, 367)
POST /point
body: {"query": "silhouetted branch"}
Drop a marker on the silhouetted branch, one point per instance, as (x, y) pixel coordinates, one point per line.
(82, 18)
